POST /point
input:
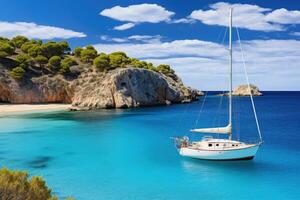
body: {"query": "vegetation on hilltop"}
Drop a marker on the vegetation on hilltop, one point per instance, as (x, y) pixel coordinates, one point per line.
(58, 58)
(16, 185)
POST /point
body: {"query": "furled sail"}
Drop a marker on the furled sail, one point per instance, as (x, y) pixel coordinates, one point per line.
(217, 130)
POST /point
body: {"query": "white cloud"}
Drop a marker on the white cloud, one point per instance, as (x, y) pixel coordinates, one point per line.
(284, 16)
(183, 20)
(295, 33)
(151, 13)
(113, 39)
(272, 64)
(124, 26)
(146, 38)
(134, 38)
(32, 30)
(247, 16)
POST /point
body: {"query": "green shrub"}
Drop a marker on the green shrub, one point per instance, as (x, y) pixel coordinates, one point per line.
(101, 62)
(41, 60)
(66, 63)
(137, 63)
(3, 54)
(6, 48)
(17, 185)
(165, 69)
(50, 49)
(54, 61)
(32, 43)
(65, 48)
(19, 40)
(3, 39)
(24, 60)
(17, 73)
(88, 54)
(151, 67)
(77, 51)
(35, 51)
(118, 59)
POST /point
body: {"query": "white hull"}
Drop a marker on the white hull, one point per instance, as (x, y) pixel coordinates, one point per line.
(228, 154)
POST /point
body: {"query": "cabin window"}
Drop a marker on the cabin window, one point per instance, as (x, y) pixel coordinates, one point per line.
(217, 145)
(210, 145)
(233, 145)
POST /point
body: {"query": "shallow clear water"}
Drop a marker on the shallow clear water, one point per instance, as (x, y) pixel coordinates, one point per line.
(128, 154)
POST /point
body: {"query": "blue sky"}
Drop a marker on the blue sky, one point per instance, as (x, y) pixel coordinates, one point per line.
(185, 34)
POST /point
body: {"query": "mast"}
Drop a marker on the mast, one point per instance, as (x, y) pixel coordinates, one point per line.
(230, 73)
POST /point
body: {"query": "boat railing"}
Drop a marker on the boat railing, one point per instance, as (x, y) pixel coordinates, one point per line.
(207, 137)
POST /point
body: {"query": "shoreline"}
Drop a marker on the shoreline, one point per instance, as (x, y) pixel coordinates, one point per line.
(12, 109)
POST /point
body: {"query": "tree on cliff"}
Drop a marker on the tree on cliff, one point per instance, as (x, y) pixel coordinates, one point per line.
(54, 62)
(35, 51)
(88, 54)
(19, 40)
(137, 63)
(101, 62)
(23, 60)
(118, 59)
(6, 48)
(66, 63)
(165, 69)
(50, 49)
(150, 66)
(16, 185)
(41, 60)
(30, 44)
(17, 73)
(77, 51)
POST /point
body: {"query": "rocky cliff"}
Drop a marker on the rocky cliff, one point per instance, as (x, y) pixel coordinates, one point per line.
(128, 87)
(118, 88)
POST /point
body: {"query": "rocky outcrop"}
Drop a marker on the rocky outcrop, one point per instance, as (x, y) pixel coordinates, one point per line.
(119, 88)
(243, 90)
(129, 87)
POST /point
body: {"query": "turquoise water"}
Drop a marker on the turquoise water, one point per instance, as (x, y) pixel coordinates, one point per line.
(128, 154)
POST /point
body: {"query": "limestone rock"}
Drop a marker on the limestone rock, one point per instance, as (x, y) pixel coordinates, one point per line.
(243, 90)
(129, 87)
(43, 89)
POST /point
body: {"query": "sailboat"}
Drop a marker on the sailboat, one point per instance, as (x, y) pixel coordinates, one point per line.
(210, 148)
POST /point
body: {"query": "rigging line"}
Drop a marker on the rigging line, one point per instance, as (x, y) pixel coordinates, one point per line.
(226, 29)
(237, 116)
(200, 111)
(181, 116)
(251, 97)
(216, 121)
(219, 35)
(219, 113)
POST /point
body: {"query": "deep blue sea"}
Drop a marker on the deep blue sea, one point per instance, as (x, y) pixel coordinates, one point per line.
(128, 154)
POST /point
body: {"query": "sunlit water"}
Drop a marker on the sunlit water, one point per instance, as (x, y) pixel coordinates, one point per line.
(128, 154)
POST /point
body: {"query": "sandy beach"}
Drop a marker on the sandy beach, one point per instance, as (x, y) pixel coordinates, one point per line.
(7, 109)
